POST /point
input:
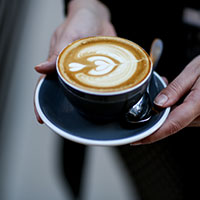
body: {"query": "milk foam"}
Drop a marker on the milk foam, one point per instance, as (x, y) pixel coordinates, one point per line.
(104, 64)
(110, 64)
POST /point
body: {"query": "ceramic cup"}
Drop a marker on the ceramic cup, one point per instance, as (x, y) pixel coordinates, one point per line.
(86, 71)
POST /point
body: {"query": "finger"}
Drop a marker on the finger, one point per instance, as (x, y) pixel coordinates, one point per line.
(52, 45)
(179, 118)
(55, 41)
(165, 80)
(47, 67)
(175, 122)
(180, 86)
(35, 110)
(195, 96)
(195, 123)
(38, 116)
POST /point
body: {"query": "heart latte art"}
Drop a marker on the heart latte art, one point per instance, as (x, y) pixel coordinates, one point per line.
(104, 64)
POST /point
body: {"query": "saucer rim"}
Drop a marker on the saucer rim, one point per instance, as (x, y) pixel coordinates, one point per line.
(86, 141)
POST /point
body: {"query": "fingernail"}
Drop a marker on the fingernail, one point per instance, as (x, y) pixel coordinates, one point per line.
(161, 99)
(41, 64)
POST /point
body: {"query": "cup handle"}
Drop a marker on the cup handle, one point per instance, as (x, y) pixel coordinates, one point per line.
(141, 111)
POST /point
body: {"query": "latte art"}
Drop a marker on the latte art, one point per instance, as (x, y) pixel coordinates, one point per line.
(104, 65)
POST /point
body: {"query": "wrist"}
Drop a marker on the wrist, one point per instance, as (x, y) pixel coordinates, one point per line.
(94, 6)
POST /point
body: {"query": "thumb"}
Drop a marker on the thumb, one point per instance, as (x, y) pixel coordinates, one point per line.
(178, 87)
(47, 67)
(172, 93)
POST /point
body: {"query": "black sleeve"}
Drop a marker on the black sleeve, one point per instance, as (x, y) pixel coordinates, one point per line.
(65, 6)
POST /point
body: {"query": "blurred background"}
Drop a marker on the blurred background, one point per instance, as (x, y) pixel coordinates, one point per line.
(30, 152)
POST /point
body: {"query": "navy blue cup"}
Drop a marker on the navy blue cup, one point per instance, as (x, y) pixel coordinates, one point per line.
(101, 107)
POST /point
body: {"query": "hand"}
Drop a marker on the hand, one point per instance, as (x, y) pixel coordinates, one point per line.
(185, 114)
(82, 21)
(85, 18)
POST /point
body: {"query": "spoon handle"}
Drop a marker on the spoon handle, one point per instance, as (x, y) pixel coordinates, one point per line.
(156, 51)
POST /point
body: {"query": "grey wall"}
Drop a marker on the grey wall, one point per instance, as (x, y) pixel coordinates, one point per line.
(29, 152)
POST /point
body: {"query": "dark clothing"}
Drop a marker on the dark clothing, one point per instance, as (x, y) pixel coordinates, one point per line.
(168, 169)
(143, 21)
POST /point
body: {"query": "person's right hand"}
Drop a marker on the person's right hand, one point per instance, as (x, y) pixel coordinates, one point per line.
(82, 21)
(85, 18)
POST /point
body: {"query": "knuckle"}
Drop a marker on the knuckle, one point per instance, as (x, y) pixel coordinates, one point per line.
(53, 55)
(71, 35)
(174, 126)
(175, 88)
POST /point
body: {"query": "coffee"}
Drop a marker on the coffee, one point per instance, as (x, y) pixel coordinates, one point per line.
(104, 64)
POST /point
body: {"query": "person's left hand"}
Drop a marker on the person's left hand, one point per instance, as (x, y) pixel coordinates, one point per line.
(188, 112)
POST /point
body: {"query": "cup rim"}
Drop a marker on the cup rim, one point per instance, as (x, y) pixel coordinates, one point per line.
(103, 93)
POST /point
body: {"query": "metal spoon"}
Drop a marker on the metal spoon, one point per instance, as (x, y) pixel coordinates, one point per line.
(156, 51)
(141, 111)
